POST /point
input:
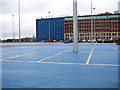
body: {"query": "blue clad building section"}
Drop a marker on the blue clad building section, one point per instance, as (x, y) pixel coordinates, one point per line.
(56, 29)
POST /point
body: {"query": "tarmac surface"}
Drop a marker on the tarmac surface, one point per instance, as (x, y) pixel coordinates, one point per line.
(55, 65)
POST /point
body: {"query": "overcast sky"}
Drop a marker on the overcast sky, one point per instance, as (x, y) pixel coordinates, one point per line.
(32, 9)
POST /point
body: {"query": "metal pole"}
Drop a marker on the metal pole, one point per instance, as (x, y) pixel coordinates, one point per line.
(94, 25)
(49, 25)
(91, 24)
(75, 27)
(19, 24)
(13, 27)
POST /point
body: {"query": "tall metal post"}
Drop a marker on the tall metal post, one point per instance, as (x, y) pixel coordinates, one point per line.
(75, 27)
(94, 26)
(19, 24)
(13, 27)
(91, 24)
(49, 26)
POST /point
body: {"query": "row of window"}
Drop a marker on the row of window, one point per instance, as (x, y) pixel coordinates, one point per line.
(87, 31)
(97, 20)
(87, 38)
(102, 34)
(51, 36)
(97, 27)
(93, 24)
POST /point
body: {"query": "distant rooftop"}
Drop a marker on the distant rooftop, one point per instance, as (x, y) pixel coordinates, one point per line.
(101, 15)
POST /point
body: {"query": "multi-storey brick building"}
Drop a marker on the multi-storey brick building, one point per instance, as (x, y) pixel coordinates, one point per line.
(106, 26)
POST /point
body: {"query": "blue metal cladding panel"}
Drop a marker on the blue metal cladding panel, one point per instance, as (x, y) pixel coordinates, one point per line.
(42, 29)
(56, 29)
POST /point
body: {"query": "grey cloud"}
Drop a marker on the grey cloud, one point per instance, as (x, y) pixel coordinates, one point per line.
(31, 9)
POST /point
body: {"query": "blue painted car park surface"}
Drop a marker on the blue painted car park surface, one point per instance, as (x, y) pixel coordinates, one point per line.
(94, 66)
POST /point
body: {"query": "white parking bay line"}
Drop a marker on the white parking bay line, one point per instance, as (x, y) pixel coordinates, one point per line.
(116, 49)
(53, 55)
(16, 61)
(18, 56)
(81, 64)
(1, 59)
(89, 56)
(63, 63)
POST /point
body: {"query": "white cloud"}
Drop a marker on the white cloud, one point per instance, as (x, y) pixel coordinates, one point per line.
(31, 9)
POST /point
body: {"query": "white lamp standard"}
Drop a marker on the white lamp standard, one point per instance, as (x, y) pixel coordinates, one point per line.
(19, 23)
(75, 27)
(49, 25)
(94, 25)
(13, 27)
(91, 24)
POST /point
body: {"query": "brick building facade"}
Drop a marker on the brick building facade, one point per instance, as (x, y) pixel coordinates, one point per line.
(106, 26)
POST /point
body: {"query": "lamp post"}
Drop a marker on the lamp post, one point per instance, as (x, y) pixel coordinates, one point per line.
(75, 27)
(19, 23)
(94, 25)
(91, 24)
(13, 27)
(49, 25)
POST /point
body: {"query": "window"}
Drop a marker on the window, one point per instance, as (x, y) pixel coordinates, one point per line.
(109, 34)
(71, 35)
(112, 34)
(66, 31)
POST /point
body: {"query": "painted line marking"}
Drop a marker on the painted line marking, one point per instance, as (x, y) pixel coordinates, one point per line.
(115, 65)
(90, 56)
(15, 60)
(81, 64)
(1, 59)
(116, 49)
(67, 63)
(18, 56)
(53, 55)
